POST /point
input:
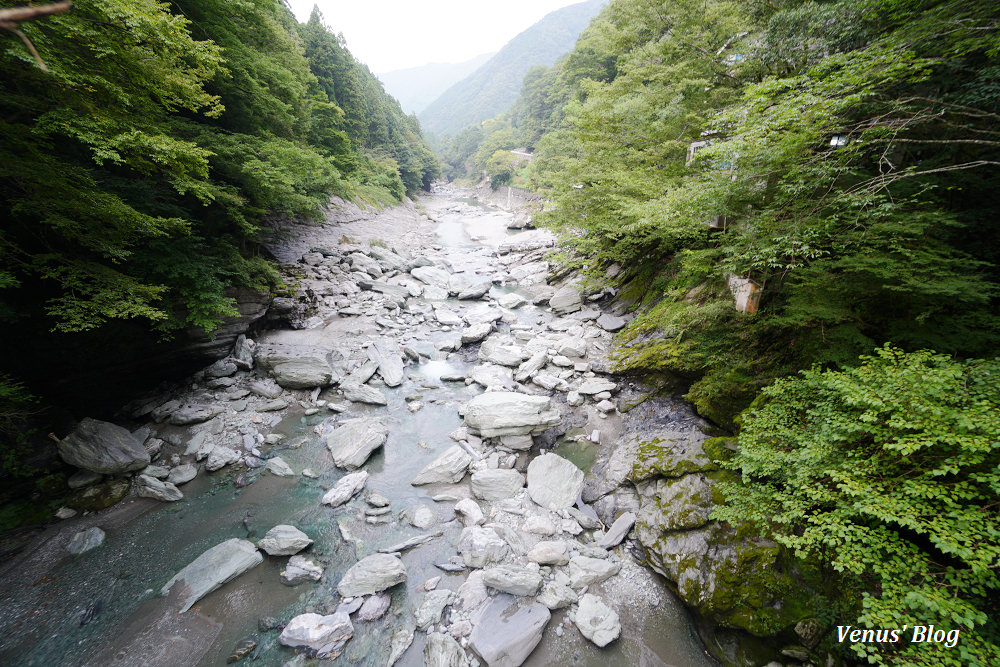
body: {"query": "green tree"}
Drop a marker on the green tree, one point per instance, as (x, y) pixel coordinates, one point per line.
(889, 473)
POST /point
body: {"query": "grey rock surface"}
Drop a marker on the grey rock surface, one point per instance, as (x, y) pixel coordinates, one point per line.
(502, 413)
(449, 468)
(554, 482)
(597, 621)
(353, 442)
(505, 634)
(213, 568)
(372, 574)
(103, 447)
(284, 540)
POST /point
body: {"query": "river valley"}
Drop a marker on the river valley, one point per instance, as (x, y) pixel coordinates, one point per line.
(400, 320)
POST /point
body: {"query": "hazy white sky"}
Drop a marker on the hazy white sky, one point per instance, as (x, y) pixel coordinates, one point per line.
(388, 35)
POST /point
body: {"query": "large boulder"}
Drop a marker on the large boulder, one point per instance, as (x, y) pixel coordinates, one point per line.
(213, 568)
(284, 540)
(597, 621)
(150, 487)
(353, 442)
(449, 468)
(345, 488)
(431, 275)
(496, 484)
(389, 360)
(104, 448)
(502, 351)
(554, 482)
(316, 632)
(584, 571)
(512, 579)
(505, 633)
(372, 574)
(362, 393)
(501, 413)
(568, 299)
(432, 608)
(296, 367)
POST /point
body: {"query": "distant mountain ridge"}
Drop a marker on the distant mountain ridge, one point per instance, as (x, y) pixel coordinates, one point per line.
(417, 87)
(494, 87)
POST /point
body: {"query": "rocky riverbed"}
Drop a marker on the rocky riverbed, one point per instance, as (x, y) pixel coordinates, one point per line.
(400, 470)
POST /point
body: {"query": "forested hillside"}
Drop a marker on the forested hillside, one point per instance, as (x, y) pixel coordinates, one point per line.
(138, 165)
(416, 87)
(792, 185)
(493, 87)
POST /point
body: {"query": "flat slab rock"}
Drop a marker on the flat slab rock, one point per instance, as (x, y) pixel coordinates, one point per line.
(372, 574)
(505, 633)
(449, 468)
(213, 568)
(500, 413)
(353, 442)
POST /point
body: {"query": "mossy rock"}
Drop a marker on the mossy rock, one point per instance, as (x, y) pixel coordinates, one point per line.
(720, 450)
(100, 496)
(671, 454)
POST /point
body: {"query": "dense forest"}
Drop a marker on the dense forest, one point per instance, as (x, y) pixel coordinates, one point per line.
(144, 149)
(799, 199)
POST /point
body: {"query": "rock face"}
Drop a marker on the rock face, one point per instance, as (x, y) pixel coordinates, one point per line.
(150, 487)
(449, 468)
(213, 568)
(353, 442)
(742, 582)
(509, 413)
(505, 634)
(554, 482)
(597, 621)
(284, 540)
(497, 484)
(86, 540)
(104, 448)
(345, 488)
(372, 574)
(319, 633)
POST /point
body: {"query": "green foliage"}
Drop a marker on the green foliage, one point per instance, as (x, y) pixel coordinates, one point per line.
(501, 167)
(887, 471)
(139, 196)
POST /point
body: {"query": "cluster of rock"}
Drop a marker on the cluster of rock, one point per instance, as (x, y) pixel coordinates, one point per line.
(530, 545)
